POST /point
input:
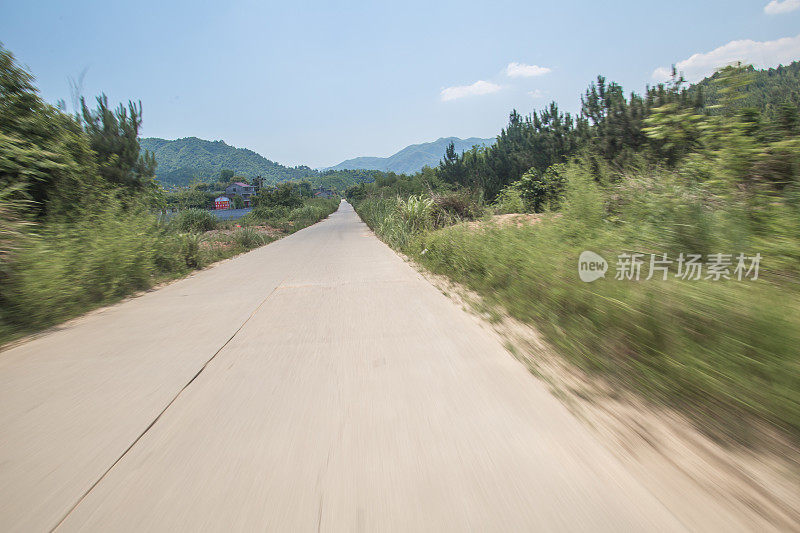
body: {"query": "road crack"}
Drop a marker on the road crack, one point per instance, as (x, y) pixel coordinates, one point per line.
(164, 410)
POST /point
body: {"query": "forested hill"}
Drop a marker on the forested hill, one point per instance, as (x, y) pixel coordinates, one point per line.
(183, 160)
(412, 158)
(767, 90)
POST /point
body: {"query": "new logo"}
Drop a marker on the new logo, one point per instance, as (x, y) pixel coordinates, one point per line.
(591, 266)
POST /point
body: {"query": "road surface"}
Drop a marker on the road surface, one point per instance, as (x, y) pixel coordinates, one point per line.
(318, 383)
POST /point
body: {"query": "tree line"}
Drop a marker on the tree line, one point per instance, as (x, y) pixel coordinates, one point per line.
(664, 126)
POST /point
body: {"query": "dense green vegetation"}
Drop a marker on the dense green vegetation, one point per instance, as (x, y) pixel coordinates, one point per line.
(656, 174)
(767, 90)
(78, 204)
(412, 158)
(340, 180)
(184, 161)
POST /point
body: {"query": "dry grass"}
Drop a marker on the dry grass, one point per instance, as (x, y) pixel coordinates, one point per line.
(510, 219)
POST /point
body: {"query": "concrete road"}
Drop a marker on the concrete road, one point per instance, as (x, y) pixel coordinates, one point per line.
(318, 383)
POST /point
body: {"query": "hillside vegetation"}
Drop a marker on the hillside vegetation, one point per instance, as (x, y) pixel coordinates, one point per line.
(767, 90)
(412, 158)
(184, 161)
(663, 175)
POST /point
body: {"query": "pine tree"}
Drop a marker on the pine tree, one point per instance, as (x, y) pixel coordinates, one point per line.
(114, 137)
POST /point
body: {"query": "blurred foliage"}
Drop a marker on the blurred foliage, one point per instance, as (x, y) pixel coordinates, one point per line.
(653, 174)
(724, 351)
(771, 91)
(78, 204)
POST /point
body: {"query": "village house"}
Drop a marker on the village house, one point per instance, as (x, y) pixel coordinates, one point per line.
(241, 189)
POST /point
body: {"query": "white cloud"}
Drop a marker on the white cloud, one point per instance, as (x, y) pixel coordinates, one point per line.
(760, 54)
(521, 70)
(662, 73)
(536, 94)
(776, 7)
(478, 88)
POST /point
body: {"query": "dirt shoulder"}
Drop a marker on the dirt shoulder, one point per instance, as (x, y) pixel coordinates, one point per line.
(699, 478)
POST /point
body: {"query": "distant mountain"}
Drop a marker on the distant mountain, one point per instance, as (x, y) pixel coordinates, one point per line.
(412, 158)
(183, 160)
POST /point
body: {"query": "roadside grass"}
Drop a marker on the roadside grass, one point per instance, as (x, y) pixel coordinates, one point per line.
(398, 220)
(291, 220)
(59, 271)
(724, 352)
(720, 350)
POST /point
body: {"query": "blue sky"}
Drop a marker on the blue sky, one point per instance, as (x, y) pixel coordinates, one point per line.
(312, 82)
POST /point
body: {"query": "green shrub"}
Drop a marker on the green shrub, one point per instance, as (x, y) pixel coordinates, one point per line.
(190, 250)
(542, 191)
(195, 220)
(284, 194)
(454, 206)
(248, 238)
(168, 255)
(509, 200)
(266, 213)
(307, 212)
(416, 212)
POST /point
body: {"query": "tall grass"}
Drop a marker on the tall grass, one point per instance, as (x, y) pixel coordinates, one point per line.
(723, 351)
(291, 220)
(398, 220)
(416, 212)
(12, 224)
(65, 268)
(195, 220)
(59, 270)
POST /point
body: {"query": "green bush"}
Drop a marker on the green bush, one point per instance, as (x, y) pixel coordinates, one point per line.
(285, 194)
(190, 251)
(248, 238)
(307, 212)
(169, 255)
(416, 212)
(542, 191)
(509, 200)
(454, 206)
(195, 220)
(265, 213)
